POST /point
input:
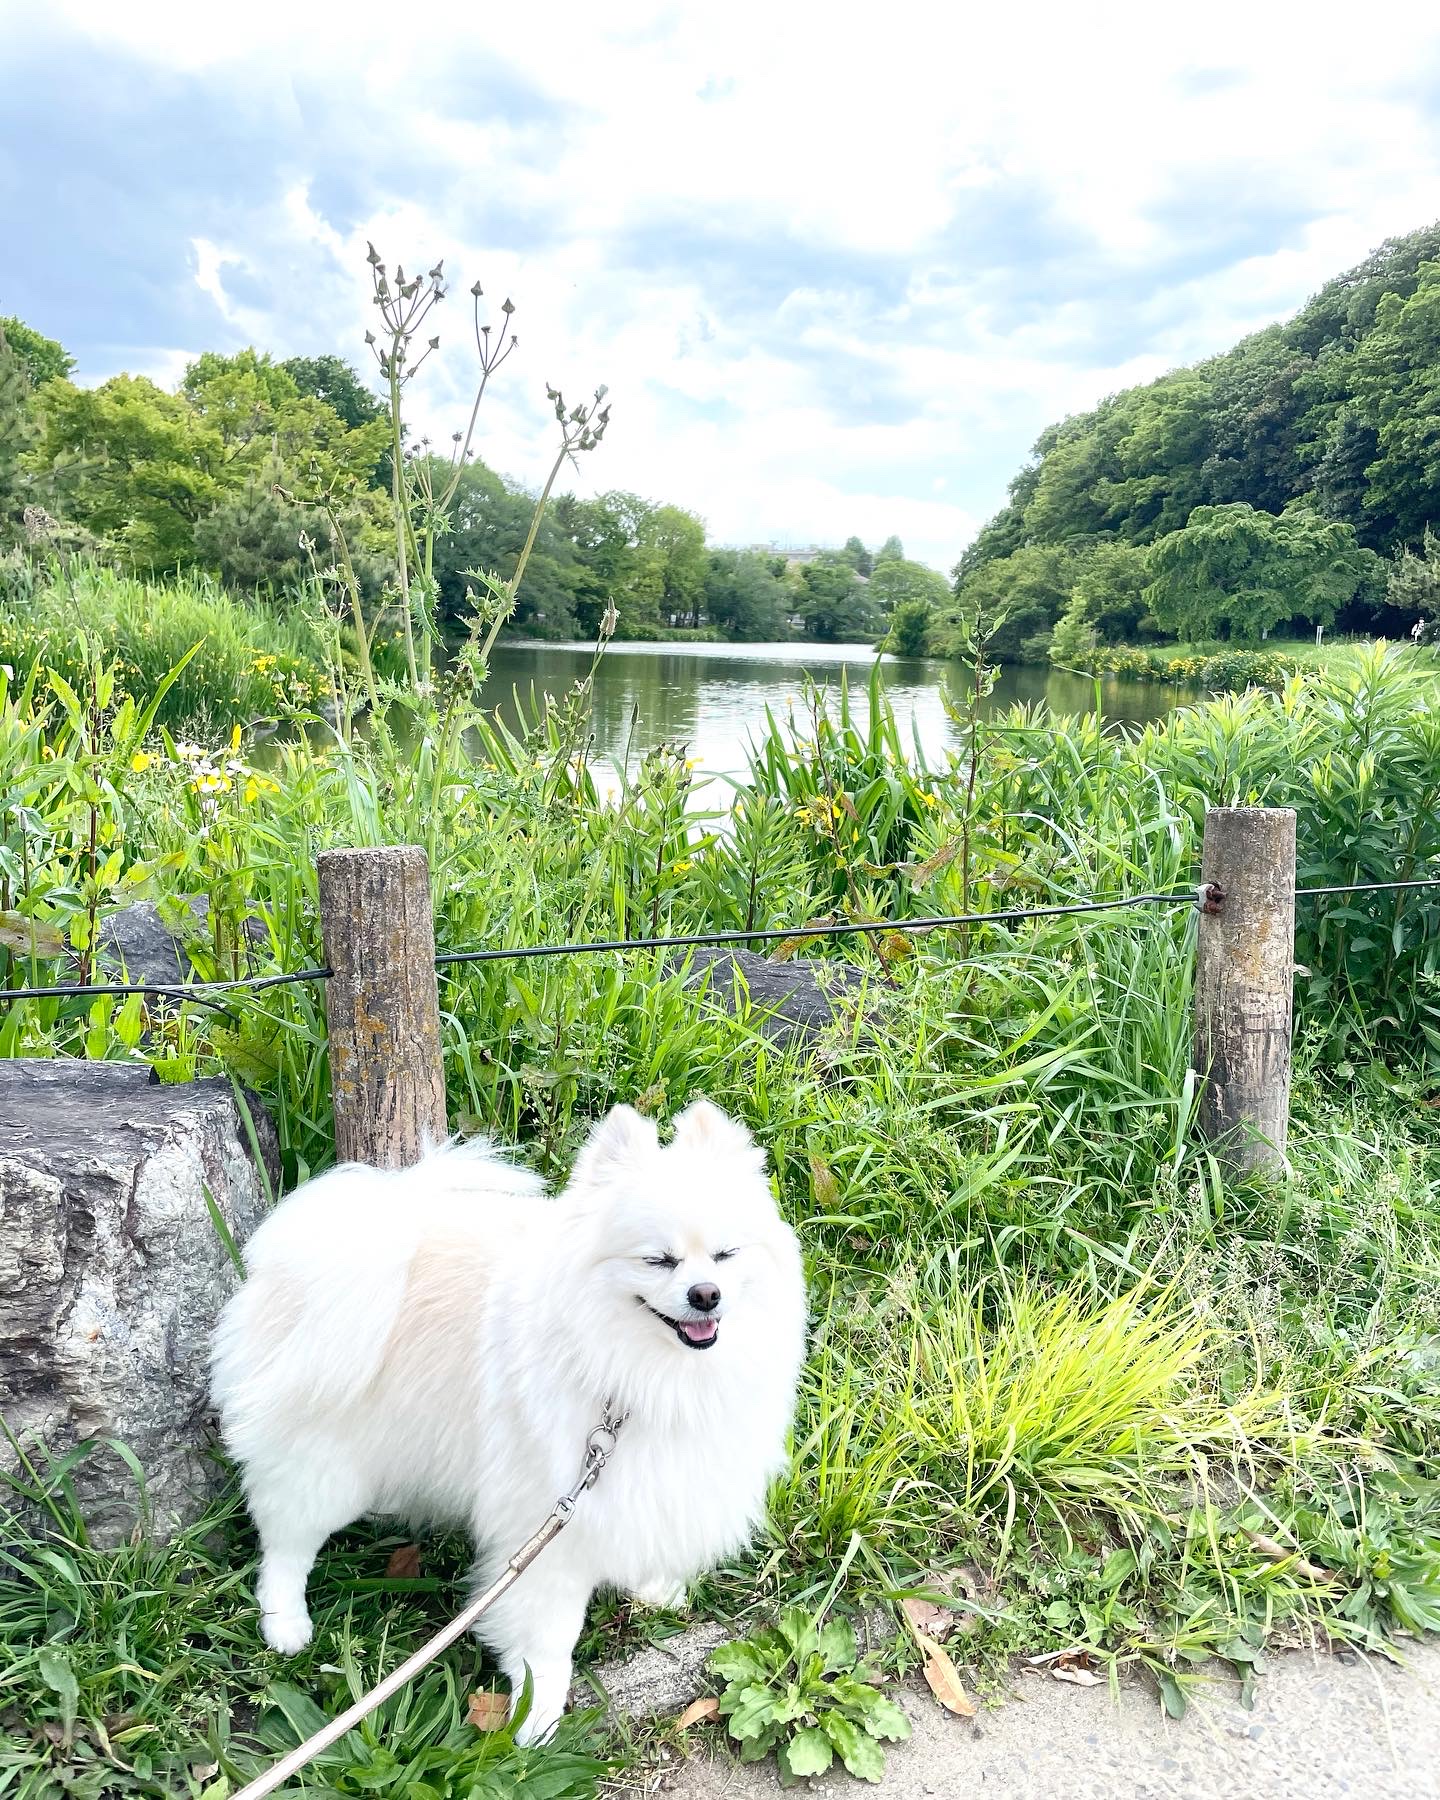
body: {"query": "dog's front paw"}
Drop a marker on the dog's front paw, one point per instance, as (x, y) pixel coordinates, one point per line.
(535, 1727)
(286, 1632)
(669, 1595)
(550, 1687)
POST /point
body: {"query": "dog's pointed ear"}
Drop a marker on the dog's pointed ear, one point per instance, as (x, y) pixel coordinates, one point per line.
(619, 1141)
(703, 1127)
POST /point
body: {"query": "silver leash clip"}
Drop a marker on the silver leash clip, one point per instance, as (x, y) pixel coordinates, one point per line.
(599, 1448)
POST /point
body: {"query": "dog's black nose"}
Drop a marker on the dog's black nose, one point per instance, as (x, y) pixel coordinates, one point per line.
(704, 1296)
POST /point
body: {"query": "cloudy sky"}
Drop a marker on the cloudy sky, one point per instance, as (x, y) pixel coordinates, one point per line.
(837, 265)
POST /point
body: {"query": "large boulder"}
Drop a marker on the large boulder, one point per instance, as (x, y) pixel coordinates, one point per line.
(112, 1271)
(141, 944)
(791, 1002)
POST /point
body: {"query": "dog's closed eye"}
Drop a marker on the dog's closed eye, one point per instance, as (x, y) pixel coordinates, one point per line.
(667, 1261)
(723, 1255)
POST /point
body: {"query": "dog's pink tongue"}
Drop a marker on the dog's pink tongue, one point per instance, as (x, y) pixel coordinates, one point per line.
(699, 1331)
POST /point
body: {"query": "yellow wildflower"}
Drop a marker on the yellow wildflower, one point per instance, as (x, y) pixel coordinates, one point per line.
(683, 867)
(141, 761)
(235, 737)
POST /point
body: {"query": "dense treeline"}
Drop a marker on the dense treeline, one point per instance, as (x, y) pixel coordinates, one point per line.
(264, 472)
(1292, 481)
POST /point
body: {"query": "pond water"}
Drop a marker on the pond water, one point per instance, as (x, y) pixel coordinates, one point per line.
(712, 697)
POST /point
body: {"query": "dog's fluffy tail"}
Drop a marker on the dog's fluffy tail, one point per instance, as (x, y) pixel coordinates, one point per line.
(325, 1278)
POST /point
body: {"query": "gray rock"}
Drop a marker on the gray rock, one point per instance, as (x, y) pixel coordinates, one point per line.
(138, 945)
(112, 1273)
(659, 1679)
(791, 1001)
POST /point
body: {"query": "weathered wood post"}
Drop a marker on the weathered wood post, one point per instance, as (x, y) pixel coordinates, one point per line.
(382, 1003)
(1244, 983)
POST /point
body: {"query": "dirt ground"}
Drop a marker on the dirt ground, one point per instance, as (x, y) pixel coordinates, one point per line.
(1322, 1726)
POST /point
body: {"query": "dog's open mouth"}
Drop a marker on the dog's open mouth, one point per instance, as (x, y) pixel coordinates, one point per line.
(699, 1334)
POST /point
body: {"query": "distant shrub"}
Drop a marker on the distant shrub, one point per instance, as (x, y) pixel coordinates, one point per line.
(254, 662)
(1225, 671)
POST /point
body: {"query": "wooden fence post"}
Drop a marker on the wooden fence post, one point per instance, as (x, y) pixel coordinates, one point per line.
(386, 1076)
(1244, 983)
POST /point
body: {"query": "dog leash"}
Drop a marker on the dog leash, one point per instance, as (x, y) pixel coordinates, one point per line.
(599, 1448)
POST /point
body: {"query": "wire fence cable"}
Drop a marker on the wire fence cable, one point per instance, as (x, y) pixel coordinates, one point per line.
(821, 928)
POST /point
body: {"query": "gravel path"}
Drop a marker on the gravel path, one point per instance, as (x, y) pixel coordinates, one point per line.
(1322, 1727)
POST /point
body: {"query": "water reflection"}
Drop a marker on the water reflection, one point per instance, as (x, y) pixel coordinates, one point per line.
(712, 697)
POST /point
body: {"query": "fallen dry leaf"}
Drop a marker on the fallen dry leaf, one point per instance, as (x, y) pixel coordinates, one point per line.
(823, 1185)
(29, 937)
(943, 857)
(890, 946)
(487, 1712)
(1301, 1564)
(404, 1563)
(1077, 1677)
(944, 1679)
(707, 1708)
(933, 1621)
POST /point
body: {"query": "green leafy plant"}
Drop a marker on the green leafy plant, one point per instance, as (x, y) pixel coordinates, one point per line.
(799, 1688)
(421, 1747)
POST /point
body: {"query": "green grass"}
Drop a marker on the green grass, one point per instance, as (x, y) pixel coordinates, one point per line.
(255, 661)
(1052, 1342)
(1332, 655)
(1219, 667)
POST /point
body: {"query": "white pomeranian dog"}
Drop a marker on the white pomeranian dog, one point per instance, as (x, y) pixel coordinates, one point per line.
(438, 1342)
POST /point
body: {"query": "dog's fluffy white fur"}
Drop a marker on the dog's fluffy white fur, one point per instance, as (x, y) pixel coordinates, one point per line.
(437, 1342)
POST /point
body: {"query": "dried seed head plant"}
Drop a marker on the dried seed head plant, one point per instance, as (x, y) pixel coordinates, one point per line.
(422, 487)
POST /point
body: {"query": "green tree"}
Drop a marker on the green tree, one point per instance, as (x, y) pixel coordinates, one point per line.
(1338, 408)
(17, 433)
(1256, 410)
(256, 408)
(892, 550)
(897, 581)
(671, 563)
(333, 380)
(607, 532)
(259, 537)
(909, 633)
(1340, 483)
(1110, 580)
(1107, 602)
(857, 556)
(1412, 591)
(745, 598)
(141, 468)
(834, 603)
(1074, 637)
(1396, 382)
(41, 357)
(132, 464)
(488, 522)
(1026, 591)
(1233, 572)
(601, 534)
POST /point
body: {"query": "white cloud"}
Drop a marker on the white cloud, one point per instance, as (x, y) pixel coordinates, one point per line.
(1004, 214)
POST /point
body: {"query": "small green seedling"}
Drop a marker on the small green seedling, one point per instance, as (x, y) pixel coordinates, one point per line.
(798, 1688)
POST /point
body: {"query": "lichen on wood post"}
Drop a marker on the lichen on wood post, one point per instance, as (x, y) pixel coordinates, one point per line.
(1244, 984)
(386, 1076)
